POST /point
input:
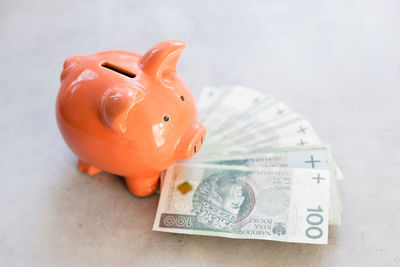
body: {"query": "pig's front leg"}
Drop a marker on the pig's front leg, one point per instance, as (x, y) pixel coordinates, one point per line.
(87, 168)
(142, 186)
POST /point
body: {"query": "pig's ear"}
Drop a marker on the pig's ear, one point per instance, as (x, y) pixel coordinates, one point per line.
(116, 104)
(69, 64)
(161, 58)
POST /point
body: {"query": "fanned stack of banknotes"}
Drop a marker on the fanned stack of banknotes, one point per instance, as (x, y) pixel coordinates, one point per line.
(262, 173)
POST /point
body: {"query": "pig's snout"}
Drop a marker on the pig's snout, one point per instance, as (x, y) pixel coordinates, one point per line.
(191, 141)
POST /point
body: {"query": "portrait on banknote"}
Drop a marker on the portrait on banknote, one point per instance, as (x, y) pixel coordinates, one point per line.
(219, 202)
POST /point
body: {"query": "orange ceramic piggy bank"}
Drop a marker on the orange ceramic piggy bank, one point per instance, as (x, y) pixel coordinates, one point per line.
(128, 114)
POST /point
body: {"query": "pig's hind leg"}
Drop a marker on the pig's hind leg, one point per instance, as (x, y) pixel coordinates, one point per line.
(87, 168)
(141, 186)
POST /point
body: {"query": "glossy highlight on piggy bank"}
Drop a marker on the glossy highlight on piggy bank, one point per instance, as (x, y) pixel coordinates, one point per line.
(128, 114)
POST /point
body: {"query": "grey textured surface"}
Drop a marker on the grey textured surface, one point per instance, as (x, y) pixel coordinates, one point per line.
(335, 62)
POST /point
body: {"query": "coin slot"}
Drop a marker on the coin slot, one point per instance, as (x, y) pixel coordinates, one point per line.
(118, 69)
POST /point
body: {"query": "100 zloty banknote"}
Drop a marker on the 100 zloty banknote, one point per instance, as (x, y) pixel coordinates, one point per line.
(281, 204)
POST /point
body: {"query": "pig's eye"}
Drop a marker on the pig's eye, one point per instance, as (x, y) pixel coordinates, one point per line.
(166, 118)
(182, 98)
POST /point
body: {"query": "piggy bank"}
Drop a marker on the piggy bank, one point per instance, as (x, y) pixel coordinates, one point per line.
(128, 114)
